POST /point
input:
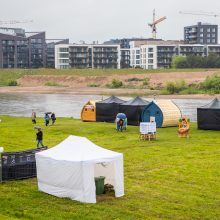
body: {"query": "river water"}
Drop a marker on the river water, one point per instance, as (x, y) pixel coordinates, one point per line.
(67, 105)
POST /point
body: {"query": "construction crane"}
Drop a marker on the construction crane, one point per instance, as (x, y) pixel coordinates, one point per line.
(210, 14)
(154, 23)
(14, 22)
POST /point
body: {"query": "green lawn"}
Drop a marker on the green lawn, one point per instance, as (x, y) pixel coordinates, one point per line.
(7, 75)
(170, 178)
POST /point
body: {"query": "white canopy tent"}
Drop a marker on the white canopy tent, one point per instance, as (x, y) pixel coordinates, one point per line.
(69, 169)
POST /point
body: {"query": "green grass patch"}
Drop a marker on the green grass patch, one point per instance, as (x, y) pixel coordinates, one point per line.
(52, 83)
(170, 178)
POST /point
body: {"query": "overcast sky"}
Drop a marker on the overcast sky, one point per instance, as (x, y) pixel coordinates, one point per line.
(101, 20)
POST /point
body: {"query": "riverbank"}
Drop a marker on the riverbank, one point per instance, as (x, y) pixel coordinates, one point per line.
(99, 91)
(170, 178)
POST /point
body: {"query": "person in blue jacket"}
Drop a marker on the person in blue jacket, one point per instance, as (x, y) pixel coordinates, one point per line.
(47, 119)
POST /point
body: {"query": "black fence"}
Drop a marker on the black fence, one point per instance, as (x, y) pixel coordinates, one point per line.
(19, 165)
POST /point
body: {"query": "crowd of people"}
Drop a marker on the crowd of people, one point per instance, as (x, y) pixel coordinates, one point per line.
(47, 117)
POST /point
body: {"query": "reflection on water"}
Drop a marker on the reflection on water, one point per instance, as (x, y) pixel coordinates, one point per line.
(66, 105)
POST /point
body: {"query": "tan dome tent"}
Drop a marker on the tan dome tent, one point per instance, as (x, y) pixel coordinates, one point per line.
(166, 113)
(88, 112)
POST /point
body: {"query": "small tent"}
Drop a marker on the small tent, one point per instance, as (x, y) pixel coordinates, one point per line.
(133, 109)
(69, 169)
(165, 112)
(208, 116)
(88, 112)
(107, 109)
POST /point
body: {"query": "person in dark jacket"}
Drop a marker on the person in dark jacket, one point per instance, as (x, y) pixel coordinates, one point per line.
(39, 137)
(53, 118)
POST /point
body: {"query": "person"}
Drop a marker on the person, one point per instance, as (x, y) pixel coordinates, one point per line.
(39, 138)
(121, 122)
(53, 118)
(33, 117)
(47, 119)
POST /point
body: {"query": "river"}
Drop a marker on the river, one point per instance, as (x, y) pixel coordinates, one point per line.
(67, 105)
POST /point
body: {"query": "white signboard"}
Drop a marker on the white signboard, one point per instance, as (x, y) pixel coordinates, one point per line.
(147, 127)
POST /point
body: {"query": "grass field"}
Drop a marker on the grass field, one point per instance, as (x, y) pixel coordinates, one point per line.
(7, 75)
(170, 178)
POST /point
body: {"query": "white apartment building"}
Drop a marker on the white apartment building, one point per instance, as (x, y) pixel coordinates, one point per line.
(87, 56)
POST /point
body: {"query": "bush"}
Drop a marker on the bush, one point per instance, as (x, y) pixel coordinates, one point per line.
(175, 87)
(12, 83)
(211, 84)
(51, 83)
(146, 81)
(93, 85)
(115, 84)
(134, 79)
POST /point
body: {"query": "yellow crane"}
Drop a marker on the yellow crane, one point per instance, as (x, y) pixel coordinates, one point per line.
(154, 23)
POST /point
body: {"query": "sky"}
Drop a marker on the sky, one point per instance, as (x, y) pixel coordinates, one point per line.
(101, 20)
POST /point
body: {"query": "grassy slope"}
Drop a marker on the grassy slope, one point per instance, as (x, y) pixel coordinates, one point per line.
(170, 178)
(7, 75)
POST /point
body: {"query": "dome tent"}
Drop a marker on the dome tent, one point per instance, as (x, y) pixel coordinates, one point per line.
(208, 116)
(107, 109)
(133, 109)
(166, 113)
(88, 112)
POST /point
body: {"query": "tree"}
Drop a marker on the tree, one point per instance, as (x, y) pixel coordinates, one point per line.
(179, 62)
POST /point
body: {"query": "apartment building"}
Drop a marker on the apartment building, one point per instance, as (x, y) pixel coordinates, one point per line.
(20, 49)
(125, 48)
(50, 50)
(87, 56)
(156, 55)
(201, 34)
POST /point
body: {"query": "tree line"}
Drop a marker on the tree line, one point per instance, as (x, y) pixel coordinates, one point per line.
(210, 61)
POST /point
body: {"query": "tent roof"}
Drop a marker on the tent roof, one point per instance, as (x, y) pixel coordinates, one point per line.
(112, 99)
(214, 104)
(78, 149)
(137, 101)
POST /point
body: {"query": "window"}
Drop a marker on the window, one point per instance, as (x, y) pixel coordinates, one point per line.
(63, 49)
(137, 51)
(150, 61)
(150, 50)
(201, 29)
(213, 40)
(150, 67)
(201, 40)
(213, 30)
(208, 29)
(150, 55)
(208, 35)
(138, 62)
(137, 56)
(208, 40)
(201, 35)
(213, 35)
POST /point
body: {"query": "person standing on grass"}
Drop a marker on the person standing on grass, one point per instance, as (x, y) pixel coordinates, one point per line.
(39, 138)
(47, 119)
(53, 118)
(33, 117)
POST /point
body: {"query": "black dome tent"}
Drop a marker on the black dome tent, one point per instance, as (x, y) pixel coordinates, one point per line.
(107, 109)
(208, 116)
(133, 110)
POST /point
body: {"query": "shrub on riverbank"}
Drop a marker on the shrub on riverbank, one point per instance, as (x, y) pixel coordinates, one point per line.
(115, 84)
(12, 83)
